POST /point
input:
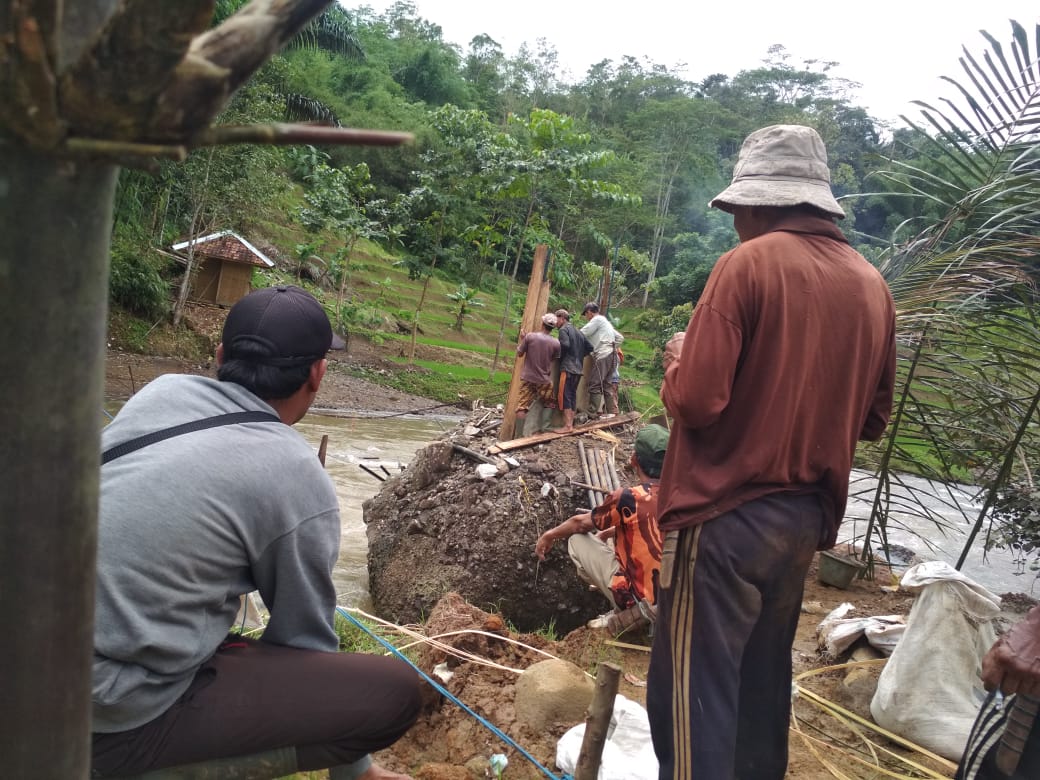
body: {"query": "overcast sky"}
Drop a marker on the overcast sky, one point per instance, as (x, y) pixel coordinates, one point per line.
(897, 49)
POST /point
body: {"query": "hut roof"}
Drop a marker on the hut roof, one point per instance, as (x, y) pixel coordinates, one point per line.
(227, 245)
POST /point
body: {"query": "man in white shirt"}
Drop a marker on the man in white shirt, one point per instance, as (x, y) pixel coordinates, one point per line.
(605, 340)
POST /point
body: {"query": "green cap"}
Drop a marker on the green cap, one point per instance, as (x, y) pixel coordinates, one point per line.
(651, 444)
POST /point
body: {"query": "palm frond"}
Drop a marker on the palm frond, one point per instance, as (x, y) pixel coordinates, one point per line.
(965, 294)
(301, 108)
(331, 31)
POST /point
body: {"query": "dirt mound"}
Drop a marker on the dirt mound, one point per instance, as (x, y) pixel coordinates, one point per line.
(448, 742)
(440, 527)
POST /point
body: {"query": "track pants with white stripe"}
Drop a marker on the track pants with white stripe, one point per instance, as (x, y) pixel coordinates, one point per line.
(719, 686)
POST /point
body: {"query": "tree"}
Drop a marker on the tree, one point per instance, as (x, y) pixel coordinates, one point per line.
(679, 136)
(450, 193)
(336, 198)
(84, 87)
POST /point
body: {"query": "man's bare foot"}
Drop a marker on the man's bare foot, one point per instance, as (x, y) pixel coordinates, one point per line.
(561, 430)
(376, 772)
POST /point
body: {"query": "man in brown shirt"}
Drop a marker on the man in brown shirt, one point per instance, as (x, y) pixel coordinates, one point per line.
(788, 360)
(541, 350)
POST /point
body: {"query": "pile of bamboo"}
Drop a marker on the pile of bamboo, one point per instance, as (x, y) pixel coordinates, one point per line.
(600, 473)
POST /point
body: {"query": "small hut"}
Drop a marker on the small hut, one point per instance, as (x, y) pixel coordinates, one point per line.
(225, 263)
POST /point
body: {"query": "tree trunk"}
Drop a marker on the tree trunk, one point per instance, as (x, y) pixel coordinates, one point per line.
(55, 224)
(509, 290)
(418, 311)
(664, 200)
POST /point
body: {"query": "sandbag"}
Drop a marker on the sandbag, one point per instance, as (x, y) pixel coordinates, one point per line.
(837, 633)
(628, 753)
(930, 690)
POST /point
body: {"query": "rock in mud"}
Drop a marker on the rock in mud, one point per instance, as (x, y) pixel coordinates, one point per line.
(551, 694)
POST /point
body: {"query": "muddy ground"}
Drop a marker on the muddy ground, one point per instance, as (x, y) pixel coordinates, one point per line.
(448, 743)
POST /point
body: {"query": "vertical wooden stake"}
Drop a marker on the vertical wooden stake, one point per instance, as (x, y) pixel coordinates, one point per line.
(598, 722)
(323, 447)
(534, 308)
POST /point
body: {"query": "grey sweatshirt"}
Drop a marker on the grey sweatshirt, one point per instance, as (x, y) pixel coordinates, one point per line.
(187, 526)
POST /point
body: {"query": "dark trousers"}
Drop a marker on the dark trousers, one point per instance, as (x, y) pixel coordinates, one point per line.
(599, 377)
(251, 697)
(719, 686)
(979, 760)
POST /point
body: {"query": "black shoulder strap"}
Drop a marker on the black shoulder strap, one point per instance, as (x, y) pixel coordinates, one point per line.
(196, 425)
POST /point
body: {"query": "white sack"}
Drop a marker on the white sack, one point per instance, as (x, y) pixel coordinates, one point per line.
(882, 632)
(628, 753)
(930, 690)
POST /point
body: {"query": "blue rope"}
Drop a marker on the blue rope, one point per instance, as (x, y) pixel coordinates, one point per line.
(490, 726)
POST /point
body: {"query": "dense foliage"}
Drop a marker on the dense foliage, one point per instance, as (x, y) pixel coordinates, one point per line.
(620, 163)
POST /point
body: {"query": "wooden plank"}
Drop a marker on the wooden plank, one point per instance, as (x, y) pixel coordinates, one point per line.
(538, 438)
(530, 322)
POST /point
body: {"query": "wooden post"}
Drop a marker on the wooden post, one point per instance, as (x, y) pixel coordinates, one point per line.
(534, 308)
(604, 293)
(323, 448)
(598, 722)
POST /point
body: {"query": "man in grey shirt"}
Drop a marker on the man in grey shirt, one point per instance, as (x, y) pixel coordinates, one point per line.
(192, 517)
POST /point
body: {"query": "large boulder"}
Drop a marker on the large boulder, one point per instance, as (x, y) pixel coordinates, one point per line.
(440, 527)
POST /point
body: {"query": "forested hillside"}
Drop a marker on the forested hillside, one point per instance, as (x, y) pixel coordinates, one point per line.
(619, 165)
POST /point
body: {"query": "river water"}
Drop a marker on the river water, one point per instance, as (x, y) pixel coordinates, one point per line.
(934, 521)
(378, 443)
(928, 519)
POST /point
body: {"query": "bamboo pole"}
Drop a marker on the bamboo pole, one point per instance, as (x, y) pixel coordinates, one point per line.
(601, 474)
(375, 474)
(598, 722)
(323, 448)
(583, 457)
(531, 322)
(615, 479)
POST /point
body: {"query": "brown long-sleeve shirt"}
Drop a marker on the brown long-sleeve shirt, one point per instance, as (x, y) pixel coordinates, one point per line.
(788, 360)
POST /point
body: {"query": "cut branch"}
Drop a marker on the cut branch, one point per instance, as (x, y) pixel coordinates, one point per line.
(285, 134)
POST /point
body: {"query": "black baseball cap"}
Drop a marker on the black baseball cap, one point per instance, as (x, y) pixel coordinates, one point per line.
(278, 326)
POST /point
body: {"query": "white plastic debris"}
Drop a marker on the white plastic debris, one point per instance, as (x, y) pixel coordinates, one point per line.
(487, 470)
(498, 763)
(836, 633)
(547, 488)
(628, 753)
(442, 673)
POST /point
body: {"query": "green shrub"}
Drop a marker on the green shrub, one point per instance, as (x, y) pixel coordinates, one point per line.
(135, 283)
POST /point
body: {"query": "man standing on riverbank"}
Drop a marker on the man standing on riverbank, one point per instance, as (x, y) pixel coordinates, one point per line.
(573, 349)
(625, 573)
(605, 340)
(207, 493)
(788, 359)
(540, 349)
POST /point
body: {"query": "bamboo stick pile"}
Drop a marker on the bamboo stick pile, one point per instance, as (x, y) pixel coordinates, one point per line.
(601, 477)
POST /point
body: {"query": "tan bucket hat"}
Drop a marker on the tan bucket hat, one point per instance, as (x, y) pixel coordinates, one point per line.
(781, 165)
